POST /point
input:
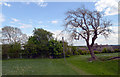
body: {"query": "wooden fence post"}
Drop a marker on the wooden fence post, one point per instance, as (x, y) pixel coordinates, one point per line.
(63, 48)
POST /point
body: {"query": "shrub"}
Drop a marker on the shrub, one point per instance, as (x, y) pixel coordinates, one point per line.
(84, 53)
(74, 49)
(67, 55)
(76, 53)
(96, 52)
(116, 50)
(104, 50)
(69, 52)
(112, 51)
(79, 51)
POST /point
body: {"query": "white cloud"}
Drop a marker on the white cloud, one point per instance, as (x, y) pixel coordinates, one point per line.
(80, 42)
(59, 34)
(110, 7)
(14, 20)
(2, 19)
(56, 34)
(112, 39)
(5, 4)
(40, 3)
(25, 25)
(54, 21)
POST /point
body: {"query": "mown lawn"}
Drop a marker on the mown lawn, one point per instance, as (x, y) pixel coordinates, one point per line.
(36, 67)
(74, 65)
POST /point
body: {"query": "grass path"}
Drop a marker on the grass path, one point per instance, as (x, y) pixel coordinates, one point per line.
(78, 70)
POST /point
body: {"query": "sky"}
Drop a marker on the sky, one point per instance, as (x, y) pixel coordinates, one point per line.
(50, 16)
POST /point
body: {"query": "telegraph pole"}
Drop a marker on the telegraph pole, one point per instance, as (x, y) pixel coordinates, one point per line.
(63, 48)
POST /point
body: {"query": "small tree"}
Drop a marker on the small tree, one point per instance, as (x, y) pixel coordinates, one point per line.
(87, 25)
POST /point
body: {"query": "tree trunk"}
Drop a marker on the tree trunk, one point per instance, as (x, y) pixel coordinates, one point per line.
(93, 57)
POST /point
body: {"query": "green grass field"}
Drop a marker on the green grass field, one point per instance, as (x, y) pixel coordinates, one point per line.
(74, 65)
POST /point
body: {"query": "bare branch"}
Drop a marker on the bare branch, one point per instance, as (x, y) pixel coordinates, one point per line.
(87, 24)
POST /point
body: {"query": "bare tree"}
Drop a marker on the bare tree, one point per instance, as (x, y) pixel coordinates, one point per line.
(12, 35)
(87, 25)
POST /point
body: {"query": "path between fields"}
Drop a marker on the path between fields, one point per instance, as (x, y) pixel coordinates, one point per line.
(79, 71)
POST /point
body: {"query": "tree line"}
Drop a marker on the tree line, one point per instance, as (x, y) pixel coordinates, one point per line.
(41, 44)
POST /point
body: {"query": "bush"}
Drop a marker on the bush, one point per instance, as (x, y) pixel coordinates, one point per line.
(74, 49)
(84, 53)
(104, 50)
(96, 52)
(116, 50)
(79, 51)
(69, 53)
(76, 53)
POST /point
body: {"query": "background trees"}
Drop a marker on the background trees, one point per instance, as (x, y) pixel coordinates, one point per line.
(41, 44)
(87, 25)
(13, 34)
